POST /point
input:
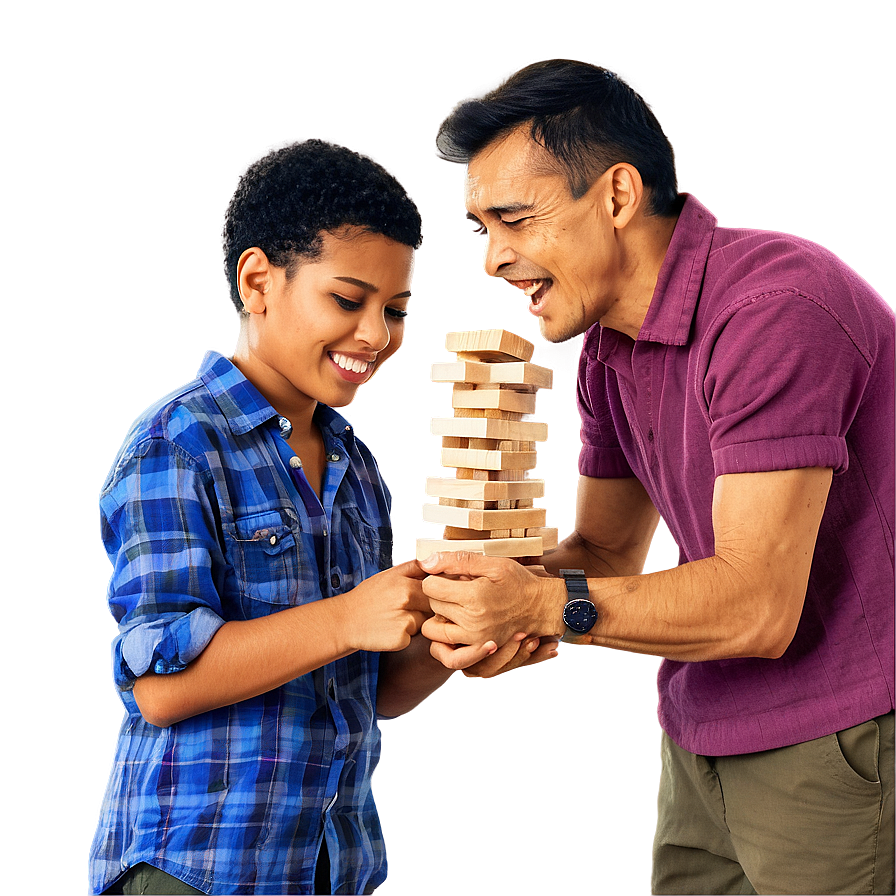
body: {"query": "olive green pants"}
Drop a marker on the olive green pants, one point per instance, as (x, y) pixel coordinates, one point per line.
(146, 879)
(816, 817)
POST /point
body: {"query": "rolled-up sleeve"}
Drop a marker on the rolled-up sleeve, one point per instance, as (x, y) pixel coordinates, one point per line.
(784, 379)
(159, 529)
(601, 455)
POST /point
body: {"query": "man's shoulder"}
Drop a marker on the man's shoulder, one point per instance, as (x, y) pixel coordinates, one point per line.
(745, 266)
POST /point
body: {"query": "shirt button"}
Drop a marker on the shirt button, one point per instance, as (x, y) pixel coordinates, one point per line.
(285, 427)
(334, 457)
(273, 539)
(295, 463)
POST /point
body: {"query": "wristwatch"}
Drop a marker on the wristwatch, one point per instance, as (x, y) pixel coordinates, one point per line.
(579, 614)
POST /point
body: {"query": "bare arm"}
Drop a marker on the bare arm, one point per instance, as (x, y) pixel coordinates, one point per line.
(409, 677)
(250, 657)
(615, 522)
(745, 600)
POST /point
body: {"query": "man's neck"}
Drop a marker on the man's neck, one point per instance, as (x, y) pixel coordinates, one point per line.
(645, 254)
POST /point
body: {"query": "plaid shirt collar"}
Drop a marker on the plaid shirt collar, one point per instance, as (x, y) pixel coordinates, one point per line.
(245, 408)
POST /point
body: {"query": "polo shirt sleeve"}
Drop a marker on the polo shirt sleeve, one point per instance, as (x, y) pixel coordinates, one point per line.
(783, 381)
(158, 526)
(601, 455)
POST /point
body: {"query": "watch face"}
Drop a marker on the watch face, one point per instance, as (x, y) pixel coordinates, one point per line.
(580, 615)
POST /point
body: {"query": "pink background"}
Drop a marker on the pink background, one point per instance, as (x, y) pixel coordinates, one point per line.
(126, 132)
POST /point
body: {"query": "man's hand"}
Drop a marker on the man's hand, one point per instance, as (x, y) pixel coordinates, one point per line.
(478, 599)
(384, 611)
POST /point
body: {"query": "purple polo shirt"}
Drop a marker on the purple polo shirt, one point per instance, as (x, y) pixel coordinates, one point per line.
(760, 352)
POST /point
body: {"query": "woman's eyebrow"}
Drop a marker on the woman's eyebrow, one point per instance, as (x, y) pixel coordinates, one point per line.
(363, 284)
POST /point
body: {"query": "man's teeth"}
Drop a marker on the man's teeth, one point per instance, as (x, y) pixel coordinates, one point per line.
(533, 287)
(352, 364)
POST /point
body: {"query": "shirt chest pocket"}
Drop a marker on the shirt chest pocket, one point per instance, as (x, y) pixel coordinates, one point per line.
(367, 548)
(264, 553)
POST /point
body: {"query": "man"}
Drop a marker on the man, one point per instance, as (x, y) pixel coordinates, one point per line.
(740, 385)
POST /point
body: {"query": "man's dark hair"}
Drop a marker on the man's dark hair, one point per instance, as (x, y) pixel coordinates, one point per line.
(288, 199)
(583, 115)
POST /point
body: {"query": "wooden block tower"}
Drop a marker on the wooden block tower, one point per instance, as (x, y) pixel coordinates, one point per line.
(488, 508)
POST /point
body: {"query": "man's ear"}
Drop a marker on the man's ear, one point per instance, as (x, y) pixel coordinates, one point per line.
(254, 278)
(626, 192)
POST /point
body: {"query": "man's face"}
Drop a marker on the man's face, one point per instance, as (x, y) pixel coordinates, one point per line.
(560, 251)
(326, 331)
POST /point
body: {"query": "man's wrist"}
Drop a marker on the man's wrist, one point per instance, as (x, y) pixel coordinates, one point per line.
(554, 600)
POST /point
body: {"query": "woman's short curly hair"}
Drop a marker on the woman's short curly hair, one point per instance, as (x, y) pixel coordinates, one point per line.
(288, 199)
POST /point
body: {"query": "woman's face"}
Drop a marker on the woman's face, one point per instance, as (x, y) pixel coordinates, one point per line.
(328, 329)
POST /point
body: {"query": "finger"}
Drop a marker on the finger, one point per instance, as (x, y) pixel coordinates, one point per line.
(411, 569)
(460, 657)
(462, 563)
(531, 650)
(497, 661)
(416, 621)
(438, 628)
(545, 651)
(417, 600)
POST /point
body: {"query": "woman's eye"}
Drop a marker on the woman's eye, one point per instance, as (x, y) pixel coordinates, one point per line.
(397, 313)
(346, 304)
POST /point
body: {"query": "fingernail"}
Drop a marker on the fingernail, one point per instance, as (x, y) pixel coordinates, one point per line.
(430, 560)
(532, 645)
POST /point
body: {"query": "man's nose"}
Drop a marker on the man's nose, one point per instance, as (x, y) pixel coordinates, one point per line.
(498, 254)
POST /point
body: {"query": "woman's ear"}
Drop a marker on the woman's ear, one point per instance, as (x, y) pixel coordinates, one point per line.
(254, 280)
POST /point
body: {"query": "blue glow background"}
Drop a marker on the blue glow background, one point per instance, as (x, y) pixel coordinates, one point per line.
(126, 130)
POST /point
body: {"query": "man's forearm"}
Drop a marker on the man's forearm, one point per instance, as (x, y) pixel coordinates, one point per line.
(703, 610)
(574, 552)
(407, 677)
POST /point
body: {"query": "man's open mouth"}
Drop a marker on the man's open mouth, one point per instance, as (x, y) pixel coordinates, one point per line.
(534, 289)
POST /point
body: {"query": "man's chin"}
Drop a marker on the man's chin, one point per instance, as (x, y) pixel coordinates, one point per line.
(557, 333)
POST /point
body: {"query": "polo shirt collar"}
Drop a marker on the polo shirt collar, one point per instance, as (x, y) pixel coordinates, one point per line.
(245, 408)
(680, 279)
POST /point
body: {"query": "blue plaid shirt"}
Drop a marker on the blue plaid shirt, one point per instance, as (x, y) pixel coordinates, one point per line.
(205, 521)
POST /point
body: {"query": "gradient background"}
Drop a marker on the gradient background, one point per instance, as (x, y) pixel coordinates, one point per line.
(126, 132)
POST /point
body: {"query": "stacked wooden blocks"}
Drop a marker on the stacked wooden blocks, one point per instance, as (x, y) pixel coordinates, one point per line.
(488, 508)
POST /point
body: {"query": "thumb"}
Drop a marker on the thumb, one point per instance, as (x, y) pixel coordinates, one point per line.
(458, 563)
(411, 569)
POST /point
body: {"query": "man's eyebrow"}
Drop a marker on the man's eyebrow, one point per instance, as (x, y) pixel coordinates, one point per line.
(363, 284)
(511, 209)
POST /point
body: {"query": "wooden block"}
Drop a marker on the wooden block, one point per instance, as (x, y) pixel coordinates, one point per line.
(458, 533)
(496, 547)
(474, 490)
(473, 518)
(514, 372)
(488, 413)
(498, 399)
(517, 533)
(453, 442)
(488, 460)
(549, 537)
(485, 428)
(499, 342)
(509, 475)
